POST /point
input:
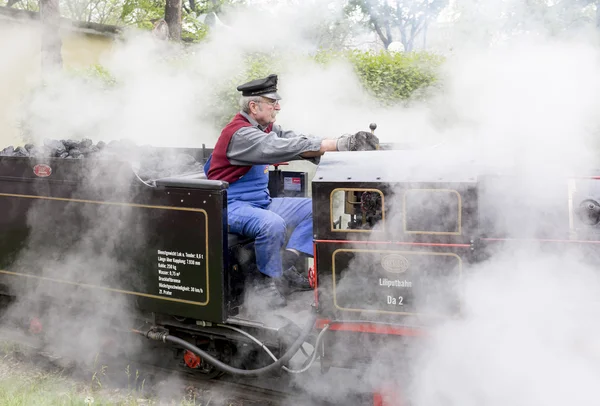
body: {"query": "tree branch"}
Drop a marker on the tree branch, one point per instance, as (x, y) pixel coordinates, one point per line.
(401, 23)
(51, 40)
(387, 40)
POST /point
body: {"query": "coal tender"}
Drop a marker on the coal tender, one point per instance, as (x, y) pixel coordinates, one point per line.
(135, 238)
(98, 223)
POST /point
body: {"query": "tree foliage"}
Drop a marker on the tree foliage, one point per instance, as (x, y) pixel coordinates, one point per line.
(144, 13)
(96, 11)
(141, 14)
(393, 20)
(568, 14)
(514, 17)
(555, 17)
(102, 12)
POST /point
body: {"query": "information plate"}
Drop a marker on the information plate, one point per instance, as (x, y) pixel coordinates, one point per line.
(402, 282)
(182, 275)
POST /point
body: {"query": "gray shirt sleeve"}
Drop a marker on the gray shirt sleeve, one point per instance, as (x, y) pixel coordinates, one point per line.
(286, 134)
(251, 146)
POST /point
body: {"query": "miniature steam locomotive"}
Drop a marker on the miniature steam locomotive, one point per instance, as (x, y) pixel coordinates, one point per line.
(393, 242)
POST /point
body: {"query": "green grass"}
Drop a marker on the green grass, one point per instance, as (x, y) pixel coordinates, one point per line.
(21, 389)
(52, 389)
(23, 384)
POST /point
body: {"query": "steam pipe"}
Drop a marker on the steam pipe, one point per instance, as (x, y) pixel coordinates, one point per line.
(166, 337)
(310, 358)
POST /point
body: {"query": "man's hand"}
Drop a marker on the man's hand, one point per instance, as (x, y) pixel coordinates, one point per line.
(361, 141)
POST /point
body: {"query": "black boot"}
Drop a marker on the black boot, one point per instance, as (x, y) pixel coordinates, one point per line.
(269, 289)
(295, 281)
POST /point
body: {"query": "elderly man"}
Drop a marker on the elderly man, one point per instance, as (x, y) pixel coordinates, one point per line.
(242, 155)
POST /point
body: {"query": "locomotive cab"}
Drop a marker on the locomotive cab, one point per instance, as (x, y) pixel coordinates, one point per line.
(390, 249)
(395, 240)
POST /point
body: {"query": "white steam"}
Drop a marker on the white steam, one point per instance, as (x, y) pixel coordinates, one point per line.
(169, 95)
(527, 104)
(528, 338)
(530, 103)
(525, 107)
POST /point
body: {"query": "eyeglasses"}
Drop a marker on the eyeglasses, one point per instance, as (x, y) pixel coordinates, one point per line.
(272, 103)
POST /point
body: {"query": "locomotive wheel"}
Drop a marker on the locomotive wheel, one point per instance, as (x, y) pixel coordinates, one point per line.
(205, 372)
(199, 369)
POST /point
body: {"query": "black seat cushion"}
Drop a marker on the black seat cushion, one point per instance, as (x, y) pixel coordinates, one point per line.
(237, 239)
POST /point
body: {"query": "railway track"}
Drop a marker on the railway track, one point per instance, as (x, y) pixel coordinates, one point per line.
(227, 391)
(156, 381)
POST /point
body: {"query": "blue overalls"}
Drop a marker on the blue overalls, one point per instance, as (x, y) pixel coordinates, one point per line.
(253, 213)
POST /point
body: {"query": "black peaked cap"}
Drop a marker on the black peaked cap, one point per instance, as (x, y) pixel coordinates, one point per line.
(266, 87)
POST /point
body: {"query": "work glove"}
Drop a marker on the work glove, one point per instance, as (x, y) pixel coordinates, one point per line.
(361, 141)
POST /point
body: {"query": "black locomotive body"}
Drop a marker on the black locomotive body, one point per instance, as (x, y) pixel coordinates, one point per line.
(396, 237)
(391, 249)
(100, 229)
(90, 240)
(395, 234)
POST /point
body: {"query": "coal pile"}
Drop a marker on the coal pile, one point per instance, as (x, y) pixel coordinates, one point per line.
(150, 162)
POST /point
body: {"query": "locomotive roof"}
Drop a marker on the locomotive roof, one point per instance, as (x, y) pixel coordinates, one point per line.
(395, 166)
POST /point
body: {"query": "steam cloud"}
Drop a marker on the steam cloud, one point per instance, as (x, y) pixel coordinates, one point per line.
(527, 104)
(523, 108)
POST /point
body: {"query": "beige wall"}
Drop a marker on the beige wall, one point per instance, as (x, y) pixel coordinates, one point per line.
(80, 50)
(20, 67)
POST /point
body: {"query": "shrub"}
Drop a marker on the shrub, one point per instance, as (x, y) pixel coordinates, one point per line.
(391, 77)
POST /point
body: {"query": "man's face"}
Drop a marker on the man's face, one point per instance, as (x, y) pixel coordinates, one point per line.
(265, 111)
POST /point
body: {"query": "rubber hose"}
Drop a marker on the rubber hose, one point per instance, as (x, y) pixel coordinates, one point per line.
(248, 372)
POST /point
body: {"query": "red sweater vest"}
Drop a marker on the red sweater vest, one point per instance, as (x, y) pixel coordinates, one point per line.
(220, 167)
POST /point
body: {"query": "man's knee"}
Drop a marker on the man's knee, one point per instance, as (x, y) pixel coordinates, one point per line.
(273, 226)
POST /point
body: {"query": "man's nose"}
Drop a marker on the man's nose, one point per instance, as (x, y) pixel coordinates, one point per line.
(277, 107)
